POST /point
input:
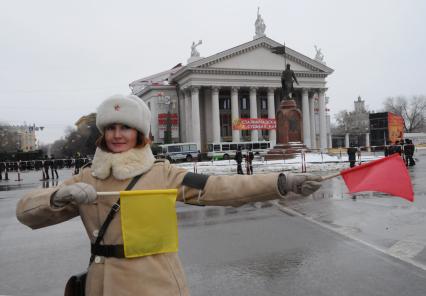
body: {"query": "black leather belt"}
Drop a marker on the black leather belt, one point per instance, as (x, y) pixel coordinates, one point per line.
(116, 251)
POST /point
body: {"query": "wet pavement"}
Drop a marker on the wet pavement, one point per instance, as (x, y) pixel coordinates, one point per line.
(328, 244)
(390, 224)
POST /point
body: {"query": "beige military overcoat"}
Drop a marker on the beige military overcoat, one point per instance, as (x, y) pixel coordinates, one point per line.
(160, 274)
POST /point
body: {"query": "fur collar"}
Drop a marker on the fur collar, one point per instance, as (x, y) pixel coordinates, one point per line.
(122, 165)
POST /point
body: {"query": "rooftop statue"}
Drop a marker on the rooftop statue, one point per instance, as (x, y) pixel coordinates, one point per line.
(194, 51)
(319, 56)
(259, 26)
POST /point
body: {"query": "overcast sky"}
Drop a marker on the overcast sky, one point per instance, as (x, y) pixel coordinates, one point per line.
(60, 59)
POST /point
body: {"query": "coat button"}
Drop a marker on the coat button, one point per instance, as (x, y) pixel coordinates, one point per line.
(95, 233)
(97, 259)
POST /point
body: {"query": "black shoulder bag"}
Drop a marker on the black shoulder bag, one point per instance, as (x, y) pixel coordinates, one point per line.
(76, 284)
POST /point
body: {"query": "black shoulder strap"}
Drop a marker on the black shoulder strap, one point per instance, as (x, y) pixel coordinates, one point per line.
(114, 209)
(87, 165)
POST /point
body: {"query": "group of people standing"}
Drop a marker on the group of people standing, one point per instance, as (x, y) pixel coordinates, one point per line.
(405, 148)
(48, 165)
(51, 164)
(249, 161)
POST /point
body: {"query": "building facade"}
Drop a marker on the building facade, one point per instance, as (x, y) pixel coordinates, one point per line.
(203, 98)
(18, 137)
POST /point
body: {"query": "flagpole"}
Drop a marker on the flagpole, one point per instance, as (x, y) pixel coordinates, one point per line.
(285, 61)
(330, 176)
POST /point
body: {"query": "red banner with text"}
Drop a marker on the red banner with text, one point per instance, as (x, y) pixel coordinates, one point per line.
(254, 124)
(163, 117)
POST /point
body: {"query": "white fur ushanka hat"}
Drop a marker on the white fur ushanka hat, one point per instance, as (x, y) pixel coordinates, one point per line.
(129, 110)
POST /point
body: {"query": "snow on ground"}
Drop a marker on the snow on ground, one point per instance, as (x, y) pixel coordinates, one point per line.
(315, 162)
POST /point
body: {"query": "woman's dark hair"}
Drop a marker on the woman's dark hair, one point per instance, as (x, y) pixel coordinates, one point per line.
(141, 141)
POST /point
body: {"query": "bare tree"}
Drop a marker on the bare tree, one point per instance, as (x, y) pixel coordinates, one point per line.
(413, 111)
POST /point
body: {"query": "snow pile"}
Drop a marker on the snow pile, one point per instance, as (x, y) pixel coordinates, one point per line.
(315, 162)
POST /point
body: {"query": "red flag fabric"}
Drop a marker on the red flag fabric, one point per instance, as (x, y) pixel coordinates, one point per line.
(387, 175)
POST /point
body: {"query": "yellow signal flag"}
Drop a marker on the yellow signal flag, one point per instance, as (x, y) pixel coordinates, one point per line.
(149, 222)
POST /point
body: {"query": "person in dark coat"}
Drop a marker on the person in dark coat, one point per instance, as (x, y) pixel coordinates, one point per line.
(409, 152)
(249, 162)
(2, 169)
(386, 150)
(352, 155)
(239, 160)
(391, 149)
(397, 148)
(46, 166)
(54, 167)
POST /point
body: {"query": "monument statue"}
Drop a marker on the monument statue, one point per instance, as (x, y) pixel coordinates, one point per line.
(287, 78)
(259, 26)
(319, 56)
(194, 51)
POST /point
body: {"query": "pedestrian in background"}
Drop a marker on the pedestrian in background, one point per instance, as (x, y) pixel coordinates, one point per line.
(124, 159)
(386, 150)
(46, 167)
(239, 160)
(409, 152)
(398, 148)
(77, 163)
(249, 162)
(2, 169)
(352, 151)
(54, 167)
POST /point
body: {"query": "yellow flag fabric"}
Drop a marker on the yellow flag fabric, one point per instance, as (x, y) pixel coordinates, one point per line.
(148, 222)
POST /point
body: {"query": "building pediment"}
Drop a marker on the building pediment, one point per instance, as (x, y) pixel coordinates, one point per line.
(256, 56)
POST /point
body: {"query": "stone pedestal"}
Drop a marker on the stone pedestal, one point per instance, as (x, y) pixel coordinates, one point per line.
(289, 123)
(289, 132)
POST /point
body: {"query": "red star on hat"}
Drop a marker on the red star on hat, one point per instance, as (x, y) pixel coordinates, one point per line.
(117, 107)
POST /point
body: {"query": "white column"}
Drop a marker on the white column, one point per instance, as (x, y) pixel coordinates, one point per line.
(312, 121)
(367, 141)
(253, 111)
(188, 120)
(196, 132)
(322, 121)
(215, 114)
(235, 113)
(271, 114)
(182, 123)
(154, 119)
(347, 140)
(306, 118)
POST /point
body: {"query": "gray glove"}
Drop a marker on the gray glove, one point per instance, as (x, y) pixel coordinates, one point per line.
(302, 184)
(79, 193)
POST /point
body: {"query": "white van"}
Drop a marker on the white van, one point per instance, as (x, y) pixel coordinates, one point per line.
(179, 151)
(227, 150)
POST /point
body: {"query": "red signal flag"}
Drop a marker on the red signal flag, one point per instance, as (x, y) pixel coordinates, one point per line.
(387, 175)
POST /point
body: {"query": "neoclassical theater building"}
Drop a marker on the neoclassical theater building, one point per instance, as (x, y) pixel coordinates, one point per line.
(200, 100)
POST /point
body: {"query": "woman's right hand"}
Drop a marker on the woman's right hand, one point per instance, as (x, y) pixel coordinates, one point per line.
(79, 193)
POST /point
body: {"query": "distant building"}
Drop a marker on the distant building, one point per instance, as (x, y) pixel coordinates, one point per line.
(355, 131)
(386, 128)
(85, 121)
(204, 98)
(18, 137)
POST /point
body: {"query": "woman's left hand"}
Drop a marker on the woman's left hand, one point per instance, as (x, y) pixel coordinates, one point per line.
(303, 184)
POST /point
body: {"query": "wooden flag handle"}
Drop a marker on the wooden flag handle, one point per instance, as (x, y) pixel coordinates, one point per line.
(331, 176)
